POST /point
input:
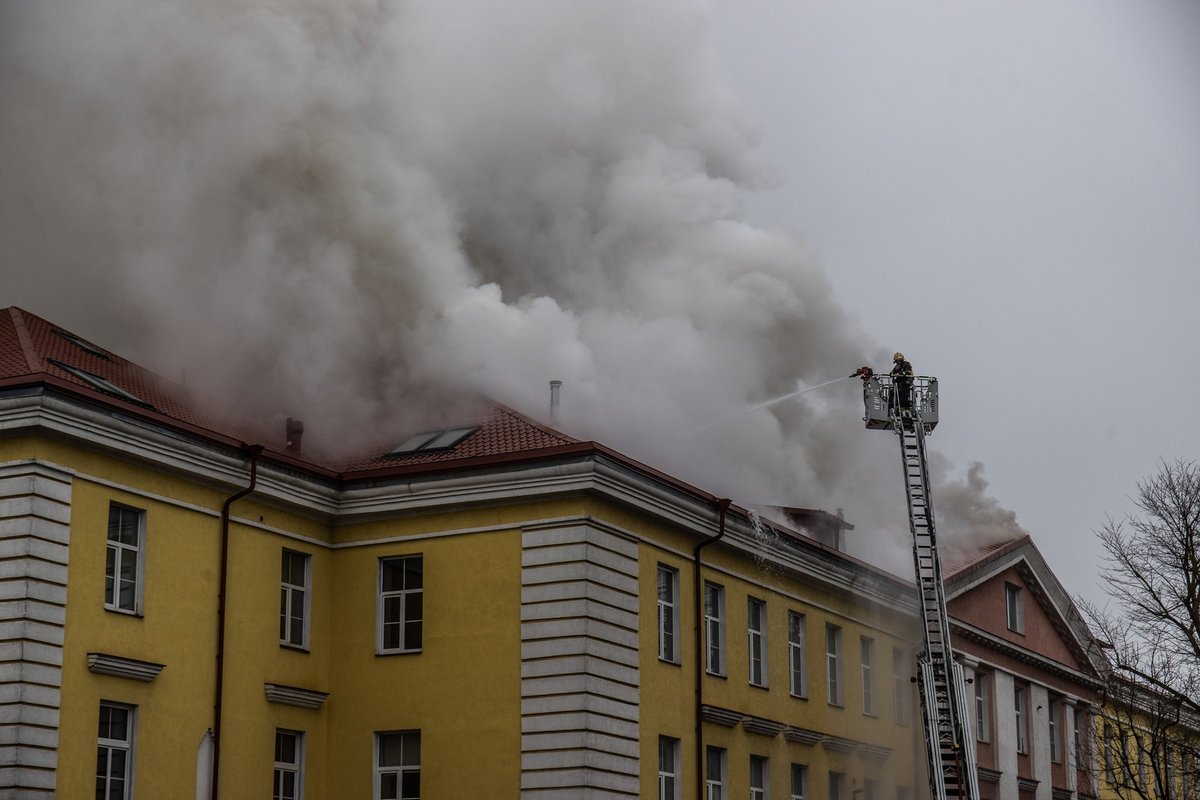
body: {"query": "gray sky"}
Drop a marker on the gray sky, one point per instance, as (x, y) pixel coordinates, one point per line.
(1009, 192)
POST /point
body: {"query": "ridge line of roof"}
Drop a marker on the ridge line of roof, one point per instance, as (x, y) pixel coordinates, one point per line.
(27, 350)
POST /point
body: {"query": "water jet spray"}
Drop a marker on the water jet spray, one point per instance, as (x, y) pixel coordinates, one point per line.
(769, 403)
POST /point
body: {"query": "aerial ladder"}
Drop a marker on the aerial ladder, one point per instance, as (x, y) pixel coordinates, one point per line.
(949, 745)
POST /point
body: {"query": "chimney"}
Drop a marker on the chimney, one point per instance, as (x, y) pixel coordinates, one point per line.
(293, 433)
(555, 389)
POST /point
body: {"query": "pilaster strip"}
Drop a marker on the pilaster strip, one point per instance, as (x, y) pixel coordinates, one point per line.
(580, 680)
(35, 518)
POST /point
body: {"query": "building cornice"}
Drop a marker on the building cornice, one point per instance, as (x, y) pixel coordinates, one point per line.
(584, 468)
(1022, 654)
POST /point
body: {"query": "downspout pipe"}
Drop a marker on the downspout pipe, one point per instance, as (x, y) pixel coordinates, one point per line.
(722, 508)
(252, 451)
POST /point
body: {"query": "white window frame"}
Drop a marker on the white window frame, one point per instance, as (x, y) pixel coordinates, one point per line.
(714, 627)
(668, 768)
(756, 641)
(121, 553)
(983, 707)
(760, 784)
(106, 746)
(294, 599)
(797, 654)
(901, 703)
(668, 614)
(833, 664)
(383, 771)
(406, 596)
(866, 650)
(1021, 714)
(715, 765)
(799, 782)
(284, 767)
(1014, 607)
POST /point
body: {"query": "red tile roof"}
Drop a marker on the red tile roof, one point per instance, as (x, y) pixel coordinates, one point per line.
(33, 352)
(955, 562)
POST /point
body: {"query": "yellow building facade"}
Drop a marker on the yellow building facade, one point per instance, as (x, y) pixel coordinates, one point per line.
(549, 622)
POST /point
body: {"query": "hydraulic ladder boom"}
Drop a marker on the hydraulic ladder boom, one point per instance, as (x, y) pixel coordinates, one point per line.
(949, 745)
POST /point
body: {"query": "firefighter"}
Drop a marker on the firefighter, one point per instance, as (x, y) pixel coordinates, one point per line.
(902, 383)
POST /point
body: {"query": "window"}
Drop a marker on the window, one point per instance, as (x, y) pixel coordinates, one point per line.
(668, 613)
(123, 559)
(1052, 711)
(1014, 604)
(668, 768)
(398, 765)
(1109, 753)
(289, 760)
(714, 626)
(867, 657)
(1142, 757)
(1077, 739)
(101, 383)
(833, 663)
(1019, 693)
(401, 595)
(114, 752)
(293, 599)
(837, 786)
(715, 780)
(758, 778)
(870, 789)
(432, 441)
(799, 782)
(983, 705)
(796, 654)
(900, 684)
(756, 634)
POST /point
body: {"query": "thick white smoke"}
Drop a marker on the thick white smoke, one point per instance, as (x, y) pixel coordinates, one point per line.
(341, 211)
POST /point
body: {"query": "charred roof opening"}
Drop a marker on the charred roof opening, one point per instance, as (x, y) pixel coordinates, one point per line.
(103, 384)
(83, 345)
(432, 441)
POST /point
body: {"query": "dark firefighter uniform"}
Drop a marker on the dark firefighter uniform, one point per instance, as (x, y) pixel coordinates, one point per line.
(902, 382)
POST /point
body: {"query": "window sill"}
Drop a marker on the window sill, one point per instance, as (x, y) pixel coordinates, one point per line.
(762, 686)
(296, 648)
(124, 613)
(672, 662)
(398, 652)
(795, 696)
(721, 675)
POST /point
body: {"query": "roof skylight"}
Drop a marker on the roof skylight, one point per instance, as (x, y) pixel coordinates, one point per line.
(103, 384)
(86, 347)
(432, 441)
